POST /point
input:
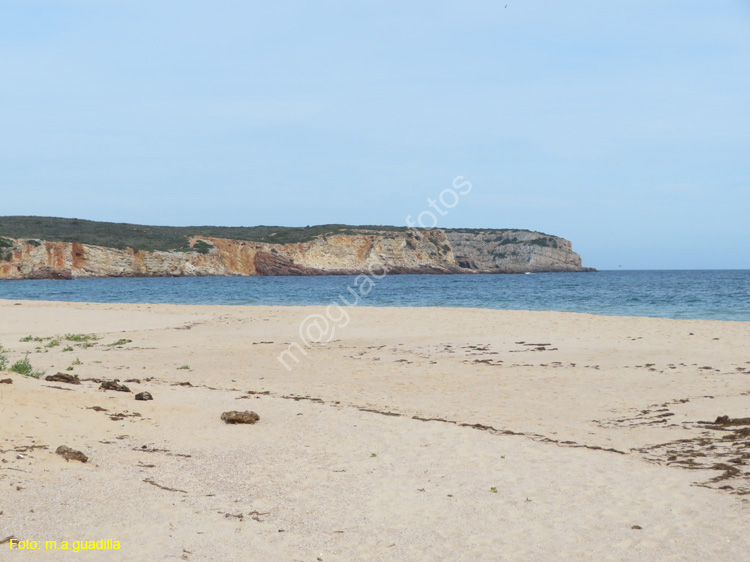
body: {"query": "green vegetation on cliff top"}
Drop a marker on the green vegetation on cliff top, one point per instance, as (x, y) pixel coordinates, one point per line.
(150, 238)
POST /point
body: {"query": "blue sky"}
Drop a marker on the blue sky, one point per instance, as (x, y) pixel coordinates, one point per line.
(623, 126)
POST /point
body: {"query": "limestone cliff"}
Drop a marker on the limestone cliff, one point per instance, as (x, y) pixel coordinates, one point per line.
(513, 251)
(433, 251)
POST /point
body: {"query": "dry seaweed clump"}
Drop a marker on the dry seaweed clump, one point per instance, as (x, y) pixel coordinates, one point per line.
(114, 385)
(63, 377)
(240, 417)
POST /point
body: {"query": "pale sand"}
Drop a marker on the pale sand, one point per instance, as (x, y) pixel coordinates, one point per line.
(326, 479)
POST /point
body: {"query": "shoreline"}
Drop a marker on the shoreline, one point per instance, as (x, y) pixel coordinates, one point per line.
(416, 433)
(335, 273)
(363, 306)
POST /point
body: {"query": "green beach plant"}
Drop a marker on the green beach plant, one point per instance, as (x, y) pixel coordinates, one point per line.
(34, 338)
(24, 367)
(81, 337)
(120, 342)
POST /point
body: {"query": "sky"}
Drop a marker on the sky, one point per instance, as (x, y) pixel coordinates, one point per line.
(623, 126)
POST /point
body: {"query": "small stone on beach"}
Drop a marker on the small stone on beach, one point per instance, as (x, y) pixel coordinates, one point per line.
(240, 417)
(70, 454)
(144, 396)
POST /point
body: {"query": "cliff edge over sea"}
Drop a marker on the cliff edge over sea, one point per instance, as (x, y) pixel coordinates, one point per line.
(51, 248)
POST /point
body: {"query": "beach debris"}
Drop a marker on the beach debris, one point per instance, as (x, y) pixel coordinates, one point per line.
(240, 417)
(254, 515)
(122, 415)
(113, 385)
(147, 449)
(297, 398)
(6, 381)
(144, 396)
(71, 454)
(58, 387)
(723, 448)
(726, 420)
(168, 489)
(63, 377)
(381, 412)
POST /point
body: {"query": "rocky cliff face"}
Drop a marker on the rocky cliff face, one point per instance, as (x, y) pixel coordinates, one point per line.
(434, 251)
(513, 251)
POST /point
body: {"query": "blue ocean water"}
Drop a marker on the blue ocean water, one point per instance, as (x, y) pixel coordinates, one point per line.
(715, 295)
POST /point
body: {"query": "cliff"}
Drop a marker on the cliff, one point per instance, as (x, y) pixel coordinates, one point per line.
(353, 252)
(513, 251)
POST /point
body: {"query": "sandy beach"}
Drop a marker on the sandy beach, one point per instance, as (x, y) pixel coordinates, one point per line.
(413, 435)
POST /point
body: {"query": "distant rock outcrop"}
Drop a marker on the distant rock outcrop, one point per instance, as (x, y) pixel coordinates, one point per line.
(513, 251)
(355, 252)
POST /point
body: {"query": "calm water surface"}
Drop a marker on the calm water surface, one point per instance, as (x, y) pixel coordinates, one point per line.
(716, 295)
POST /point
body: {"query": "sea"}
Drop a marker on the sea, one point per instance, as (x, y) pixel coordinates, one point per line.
(706, 294)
